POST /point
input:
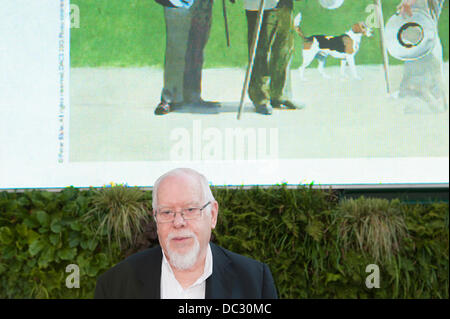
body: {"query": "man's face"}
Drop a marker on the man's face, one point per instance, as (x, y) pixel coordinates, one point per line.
(179, 238)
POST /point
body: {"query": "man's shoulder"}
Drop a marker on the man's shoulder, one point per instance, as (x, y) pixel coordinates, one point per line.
(144, 255)
(242, 276)
(133, 263)
(235, 257)
(131, 277)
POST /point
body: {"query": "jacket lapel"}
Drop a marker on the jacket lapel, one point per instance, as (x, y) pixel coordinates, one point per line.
(218, 285)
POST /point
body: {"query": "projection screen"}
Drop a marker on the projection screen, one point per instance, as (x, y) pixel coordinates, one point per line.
(80, 82)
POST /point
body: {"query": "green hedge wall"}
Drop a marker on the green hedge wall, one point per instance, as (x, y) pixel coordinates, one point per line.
(299, 233)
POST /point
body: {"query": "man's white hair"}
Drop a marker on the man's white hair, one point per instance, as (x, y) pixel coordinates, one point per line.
(204, 185)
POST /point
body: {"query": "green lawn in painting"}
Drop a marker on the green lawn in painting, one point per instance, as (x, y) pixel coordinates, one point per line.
(131, 33)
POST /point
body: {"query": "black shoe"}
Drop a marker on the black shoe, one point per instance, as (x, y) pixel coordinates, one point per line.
(164, 108)
(286, 104)
(265, 109)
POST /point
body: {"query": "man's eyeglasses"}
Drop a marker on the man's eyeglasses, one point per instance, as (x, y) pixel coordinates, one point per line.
(168, 216)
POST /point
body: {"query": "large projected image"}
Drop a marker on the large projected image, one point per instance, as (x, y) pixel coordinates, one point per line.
(340, 92)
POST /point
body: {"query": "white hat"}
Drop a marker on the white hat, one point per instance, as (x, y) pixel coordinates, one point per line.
(411, 38)
(331, 4)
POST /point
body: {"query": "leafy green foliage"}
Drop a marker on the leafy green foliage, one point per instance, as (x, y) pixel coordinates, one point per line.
(297, 232)
(121, 213)
(40, 234)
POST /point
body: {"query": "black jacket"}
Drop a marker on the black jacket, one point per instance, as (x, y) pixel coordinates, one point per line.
(233, 276)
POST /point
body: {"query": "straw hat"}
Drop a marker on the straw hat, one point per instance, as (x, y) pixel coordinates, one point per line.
(411, 38)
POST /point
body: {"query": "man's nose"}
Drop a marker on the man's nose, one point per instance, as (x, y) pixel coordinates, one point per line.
(178, 220)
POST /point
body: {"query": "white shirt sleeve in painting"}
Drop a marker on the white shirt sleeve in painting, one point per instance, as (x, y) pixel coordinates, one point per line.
(182, 3)
(253, 5)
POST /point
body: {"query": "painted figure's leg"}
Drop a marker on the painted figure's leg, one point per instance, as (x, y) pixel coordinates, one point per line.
(281, 56)
(178, 21)
(198, 37)
(259, 81)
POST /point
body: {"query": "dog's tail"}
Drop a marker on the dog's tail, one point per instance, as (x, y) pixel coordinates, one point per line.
(297, 22)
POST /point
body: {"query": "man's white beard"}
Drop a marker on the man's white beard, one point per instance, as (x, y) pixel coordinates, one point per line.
(183, 261)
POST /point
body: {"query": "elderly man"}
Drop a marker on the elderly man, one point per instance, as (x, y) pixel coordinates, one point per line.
(187, 265)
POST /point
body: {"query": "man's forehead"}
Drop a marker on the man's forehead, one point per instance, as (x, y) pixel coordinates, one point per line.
(180, 180)
(179, 189)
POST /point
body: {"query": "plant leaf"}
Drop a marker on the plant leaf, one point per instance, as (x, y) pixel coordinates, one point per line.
(56, 226)
(35, 247)
(6, 235)
(42, 217)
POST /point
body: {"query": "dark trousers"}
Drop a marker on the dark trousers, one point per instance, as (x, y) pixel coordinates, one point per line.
(187, 32)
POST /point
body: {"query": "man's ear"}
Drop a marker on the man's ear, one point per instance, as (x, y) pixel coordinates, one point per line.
(214, 213)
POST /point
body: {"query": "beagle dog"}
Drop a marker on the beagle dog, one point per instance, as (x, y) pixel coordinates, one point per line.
(343, 47)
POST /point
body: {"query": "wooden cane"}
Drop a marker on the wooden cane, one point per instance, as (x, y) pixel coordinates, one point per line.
(384, 51)
(252, 55)
(225, 18)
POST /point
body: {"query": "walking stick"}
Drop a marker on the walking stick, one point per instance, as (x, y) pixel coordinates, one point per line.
(227, 34)
(380, 18)
(252, 55)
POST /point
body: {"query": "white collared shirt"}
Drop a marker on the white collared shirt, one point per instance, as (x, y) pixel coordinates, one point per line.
(171, 288)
